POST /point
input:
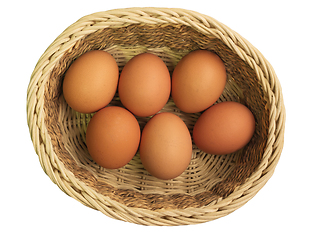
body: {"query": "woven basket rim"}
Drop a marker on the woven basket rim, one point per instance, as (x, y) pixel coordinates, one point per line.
(66, 180)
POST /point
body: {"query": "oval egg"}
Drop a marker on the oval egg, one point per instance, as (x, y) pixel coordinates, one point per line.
(144, 85)
(90, 82)
(113, 137)
(224, 128)
(166, 146)
(198, 81)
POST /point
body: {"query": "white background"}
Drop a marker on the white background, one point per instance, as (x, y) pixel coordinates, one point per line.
(32, 207)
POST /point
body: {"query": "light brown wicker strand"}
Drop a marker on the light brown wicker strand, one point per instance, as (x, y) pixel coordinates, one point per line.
(70, 184)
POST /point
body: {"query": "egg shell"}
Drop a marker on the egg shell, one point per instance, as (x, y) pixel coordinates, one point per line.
(144, 85)
(166, 146)
(90, 82)
(224, 128)
(113, 137)
(198, 80)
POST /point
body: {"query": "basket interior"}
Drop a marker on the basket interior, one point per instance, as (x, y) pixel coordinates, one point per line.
(208, 177)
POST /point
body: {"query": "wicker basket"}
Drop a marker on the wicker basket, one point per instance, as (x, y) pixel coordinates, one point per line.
(212, 186)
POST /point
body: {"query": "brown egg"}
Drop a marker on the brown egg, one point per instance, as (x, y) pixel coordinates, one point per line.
(224, 128)
(144, 85)
(166, 146)
(198, 81)
(91, 81)
(112, 137)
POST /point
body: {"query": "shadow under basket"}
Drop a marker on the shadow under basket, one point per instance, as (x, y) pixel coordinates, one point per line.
(213, 185)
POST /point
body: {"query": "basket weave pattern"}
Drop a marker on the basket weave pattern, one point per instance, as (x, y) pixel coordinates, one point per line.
(212, 186)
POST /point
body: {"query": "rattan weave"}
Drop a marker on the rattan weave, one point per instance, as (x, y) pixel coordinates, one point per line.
(212, 186)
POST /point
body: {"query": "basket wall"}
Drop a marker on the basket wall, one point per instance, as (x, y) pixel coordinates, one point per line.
(212, 186)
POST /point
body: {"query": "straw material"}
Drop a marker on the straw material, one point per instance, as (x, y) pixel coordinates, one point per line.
(213, 185)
